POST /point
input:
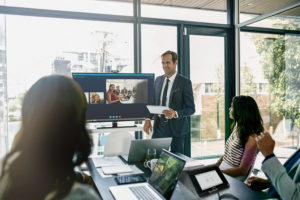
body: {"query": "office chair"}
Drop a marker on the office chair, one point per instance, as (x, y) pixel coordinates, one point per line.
(117, 143)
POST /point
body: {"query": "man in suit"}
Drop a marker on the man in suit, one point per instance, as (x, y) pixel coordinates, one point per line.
(284, 180)
(174, 91)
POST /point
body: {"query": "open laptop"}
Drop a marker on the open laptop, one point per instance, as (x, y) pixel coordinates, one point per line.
(138, 148)
(161, 183)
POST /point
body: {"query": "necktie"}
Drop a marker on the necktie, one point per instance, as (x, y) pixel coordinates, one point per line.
(164, 98)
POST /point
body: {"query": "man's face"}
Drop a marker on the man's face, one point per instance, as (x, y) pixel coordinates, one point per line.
(169, 66)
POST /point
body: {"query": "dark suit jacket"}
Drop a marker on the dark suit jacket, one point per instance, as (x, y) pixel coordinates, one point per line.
(181, 100)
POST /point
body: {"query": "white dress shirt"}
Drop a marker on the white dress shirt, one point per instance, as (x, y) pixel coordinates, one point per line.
(171, 81)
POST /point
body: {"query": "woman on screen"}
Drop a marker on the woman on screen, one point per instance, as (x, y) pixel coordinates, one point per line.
(240, 149)
(51, 142)
(111, 96)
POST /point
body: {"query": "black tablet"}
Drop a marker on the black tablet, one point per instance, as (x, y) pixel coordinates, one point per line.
(208, 179)
(130, 179)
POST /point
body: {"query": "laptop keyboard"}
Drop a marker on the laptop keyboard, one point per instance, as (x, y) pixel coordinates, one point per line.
(142, 193)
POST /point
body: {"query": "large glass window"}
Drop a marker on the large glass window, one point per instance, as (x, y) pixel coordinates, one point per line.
(289, 20)
(155, 41)
(41, 46)
(3, 91)
(199, 11)
(207, 76)
(250, 9)
(92, 6)
(270, 71)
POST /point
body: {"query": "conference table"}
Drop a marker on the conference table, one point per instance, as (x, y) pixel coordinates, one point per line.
(236, 188)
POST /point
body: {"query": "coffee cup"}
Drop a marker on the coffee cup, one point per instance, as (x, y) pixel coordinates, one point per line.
(151, 164)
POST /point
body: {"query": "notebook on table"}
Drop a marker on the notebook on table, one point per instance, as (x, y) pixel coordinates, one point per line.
(161, 184)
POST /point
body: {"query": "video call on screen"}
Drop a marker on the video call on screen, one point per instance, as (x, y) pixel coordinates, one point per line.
(129, 97)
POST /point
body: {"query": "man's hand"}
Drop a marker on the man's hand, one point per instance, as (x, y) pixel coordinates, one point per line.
(170, 114)
(257, 183)
(265, 144)
(147, 126)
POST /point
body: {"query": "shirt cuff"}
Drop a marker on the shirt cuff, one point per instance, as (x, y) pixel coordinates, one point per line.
(176, 114)
(268, 157)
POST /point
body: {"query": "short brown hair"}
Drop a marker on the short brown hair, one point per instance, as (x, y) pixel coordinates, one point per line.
(172, 53)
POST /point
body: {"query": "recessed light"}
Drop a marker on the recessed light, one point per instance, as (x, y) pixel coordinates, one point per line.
(250, 4)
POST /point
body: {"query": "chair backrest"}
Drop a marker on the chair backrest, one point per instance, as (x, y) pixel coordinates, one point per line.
(117, 143)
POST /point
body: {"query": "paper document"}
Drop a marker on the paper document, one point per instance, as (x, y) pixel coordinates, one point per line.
(116, 169)
(107, 161)
(133, 167)
(193, 163)
(157, 109)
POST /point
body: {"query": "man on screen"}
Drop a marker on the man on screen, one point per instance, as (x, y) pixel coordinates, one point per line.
(174, 91)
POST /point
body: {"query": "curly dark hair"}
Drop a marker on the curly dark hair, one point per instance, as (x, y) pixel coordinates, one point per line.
(53, 140)
(247, 117)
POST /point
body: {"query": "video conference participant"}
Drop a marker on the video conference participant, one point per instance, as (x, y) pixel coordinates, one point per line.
(117, 90)
(175, 91)
(285, 179)
(51, 142)
(240, 149)
(111, 96)
(96, 99)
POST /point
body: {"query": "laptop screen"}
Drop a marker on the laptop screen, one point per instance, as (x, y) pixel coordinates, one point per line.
(166, 173)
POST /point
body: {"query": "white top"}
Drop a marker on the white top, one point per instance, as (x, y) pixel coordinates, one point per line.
(171, 81)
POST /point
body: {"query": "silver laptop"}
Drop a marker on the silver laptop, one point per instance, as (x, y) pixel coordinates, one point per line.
(138, 148)
(161, 184)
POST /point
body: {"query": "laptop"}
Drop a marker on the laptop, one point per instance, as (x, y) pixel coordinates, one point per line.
(138, 148)
(161, 184)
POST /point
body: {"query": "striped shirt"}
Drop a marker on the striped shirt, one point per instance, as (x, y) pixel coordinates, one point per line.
(233, 150)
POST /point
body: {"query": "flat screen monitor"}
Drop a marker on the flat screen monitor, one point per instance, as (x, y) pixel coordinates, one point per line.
(116, 97)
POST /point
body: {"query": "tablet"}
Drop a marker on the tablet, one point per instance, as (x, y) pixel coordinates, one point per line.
(208, 179)
(130, 179)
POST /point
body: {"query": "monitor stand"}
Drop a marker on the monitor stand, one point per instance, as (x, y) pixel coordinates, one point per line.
(115, 125)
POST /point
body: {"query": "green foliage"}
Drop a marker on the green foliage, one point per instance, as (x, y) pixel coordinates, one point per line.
(249, 87)
(16, 104)
(281, 66)
(220, 84)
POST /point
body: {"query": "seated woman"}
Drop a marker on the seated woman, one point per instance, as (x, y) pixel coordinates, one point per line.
(111, 96)
(240, 149)
(51, 142)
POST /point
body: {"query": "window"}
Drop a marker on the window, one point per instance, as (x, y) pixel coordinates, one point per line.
(199, 11)
(35, 50)
(272, 63)
(210, 88)
(288, 20)
(92, 6)
(251, 9)
(207, 76)
(262, 88)
(155, 41)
